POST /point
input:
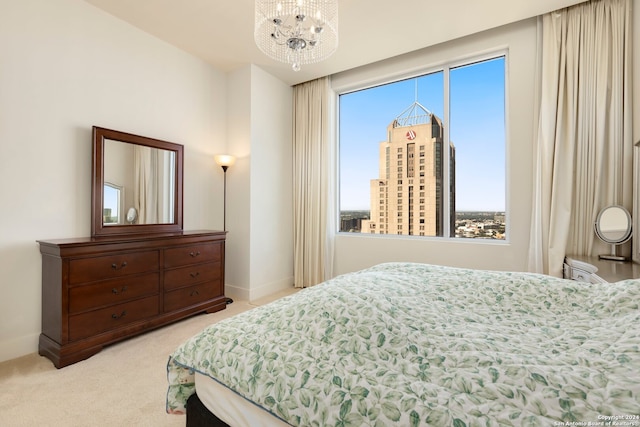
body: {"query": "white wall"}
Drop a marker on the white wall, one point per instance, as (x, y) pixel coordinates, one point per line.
(64, 67)
(271, 184)
(238, 186)
(260, 214)
(356, 251)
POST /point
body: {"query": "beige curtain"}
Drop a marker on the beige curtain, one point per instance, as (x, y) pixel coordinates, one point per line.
(146, 184)
(313, 169)
(584, 148)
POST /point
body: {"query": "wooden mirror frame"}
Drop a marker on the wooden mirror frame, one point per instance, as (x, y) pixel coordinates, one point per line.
(98, 229)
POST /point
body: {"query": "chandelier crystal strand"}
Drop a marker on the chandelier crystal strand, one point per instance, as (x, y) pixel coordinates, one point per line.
(297, 32)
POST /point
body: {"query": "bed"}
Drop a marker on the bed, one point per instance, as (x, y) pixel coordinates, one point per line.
(408, 344)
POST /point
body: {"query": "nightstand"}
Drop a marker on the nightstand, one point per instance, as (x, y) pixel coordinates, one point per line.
(591, 269)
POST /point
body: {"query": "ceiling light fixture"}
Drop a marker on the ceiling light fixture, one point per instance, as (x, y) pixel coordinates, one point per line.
(297, 31)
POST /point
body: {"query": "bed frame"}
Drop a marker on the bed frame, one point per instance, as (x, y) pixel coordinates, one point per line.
(199, 416)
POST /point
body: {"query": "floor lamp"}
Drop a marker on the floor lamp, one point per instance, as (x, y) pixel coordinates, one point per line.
(224, 161)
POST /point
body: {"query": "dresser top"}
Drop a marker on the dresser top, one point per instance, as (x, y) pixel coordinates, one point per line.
(129, 237)
(130, 241)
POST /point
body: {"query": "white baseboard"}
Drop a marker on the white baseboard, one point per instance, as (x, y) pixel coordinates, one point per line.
(235, 292)
(270, 288)
(18, 347)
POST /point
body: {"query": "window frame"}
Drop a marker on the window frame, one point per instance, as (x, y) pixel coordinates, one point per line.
(445, 67)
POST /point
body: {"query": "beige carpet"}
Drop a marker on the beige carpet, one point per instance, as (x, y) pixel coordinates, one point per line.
(123, 385)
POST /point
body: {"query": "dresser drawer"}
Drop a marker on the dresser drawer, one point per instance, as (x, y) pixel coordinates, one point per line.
(187, 255)
(187, 276)
(192, 295)
(107, 267)
(115, 291)
(94, 322)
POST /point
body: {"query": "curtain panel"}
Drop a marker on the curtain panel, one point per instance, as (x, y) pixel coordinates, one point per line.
(146, 184)
(314, 170)
(583, 146)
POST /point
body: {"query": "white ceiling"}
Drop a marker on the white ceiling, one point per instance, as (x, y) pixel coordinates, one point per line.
(221, 32)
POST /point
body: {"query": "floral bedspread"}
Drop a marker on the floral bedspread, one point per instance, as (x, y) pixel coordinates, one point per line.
(413, 344)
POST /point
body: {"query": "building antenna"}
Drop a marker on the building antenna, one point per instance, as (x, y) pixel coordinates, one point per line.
(416, 89)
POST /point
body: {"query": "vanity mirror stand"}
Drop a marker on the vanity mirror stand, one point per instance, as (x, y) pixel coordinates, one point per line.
(139, 270)
(613, 226)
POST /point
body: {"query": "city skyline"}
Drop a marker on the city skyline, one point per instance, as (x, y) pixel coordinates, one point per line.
(477, 130)
(468, 224)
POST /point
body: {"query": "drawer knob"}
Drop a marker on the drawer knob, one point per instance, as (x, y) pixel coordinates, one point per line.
(116, 267)
(194, 275)
(116, 291)
(116, 317)
(194, 254)
(194, 293)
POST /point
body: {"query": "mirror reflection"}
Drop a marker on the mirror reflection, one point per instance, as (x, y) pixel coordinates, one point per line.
(613, 225)
(139, 180)
(112, 204)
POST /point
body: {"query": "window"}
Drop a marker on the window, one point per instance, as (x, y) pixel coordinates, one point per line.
(455, 118)
(112, 213)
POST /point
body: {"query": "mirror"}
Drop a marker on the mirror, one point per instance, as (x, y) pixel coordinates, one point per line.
(613, 226)
(137, 175)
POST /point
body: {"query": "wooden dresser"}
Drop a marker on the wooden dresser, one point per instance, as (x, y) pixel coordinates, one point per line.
(97, 291)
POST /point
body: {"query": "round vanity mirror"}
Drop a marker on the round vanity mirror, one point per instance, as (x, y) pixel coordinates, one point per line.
(613, 225)
(132, 214)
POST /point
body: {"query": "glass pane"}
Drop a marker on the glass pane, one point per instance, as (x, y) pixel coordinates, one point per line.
(390, 169)
(393, 155)
(477, 120)
(147, 177)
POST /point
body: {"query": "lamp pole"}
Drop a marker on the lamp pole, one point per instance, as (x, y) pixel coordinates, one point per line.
(224, 213)
(225, 160)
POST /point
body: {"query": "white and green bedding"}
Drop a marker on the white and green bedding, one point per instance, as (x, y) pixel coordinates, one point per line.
(412, 344)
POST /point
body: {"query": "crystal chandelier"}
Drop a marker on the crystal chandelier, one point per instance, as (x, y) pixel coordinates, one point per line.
(297, 31)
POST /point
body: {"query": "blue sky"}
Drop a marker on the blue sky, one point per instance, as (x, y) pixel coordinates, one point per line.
(111, 200)
(477, 131)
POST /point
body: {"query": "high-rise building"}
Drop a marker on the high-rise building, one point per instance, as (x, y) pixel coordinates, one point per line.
(407, 197)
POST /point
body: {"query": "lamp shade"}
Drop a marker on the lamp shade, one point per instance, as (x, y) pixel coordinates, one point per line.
(224, 160)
